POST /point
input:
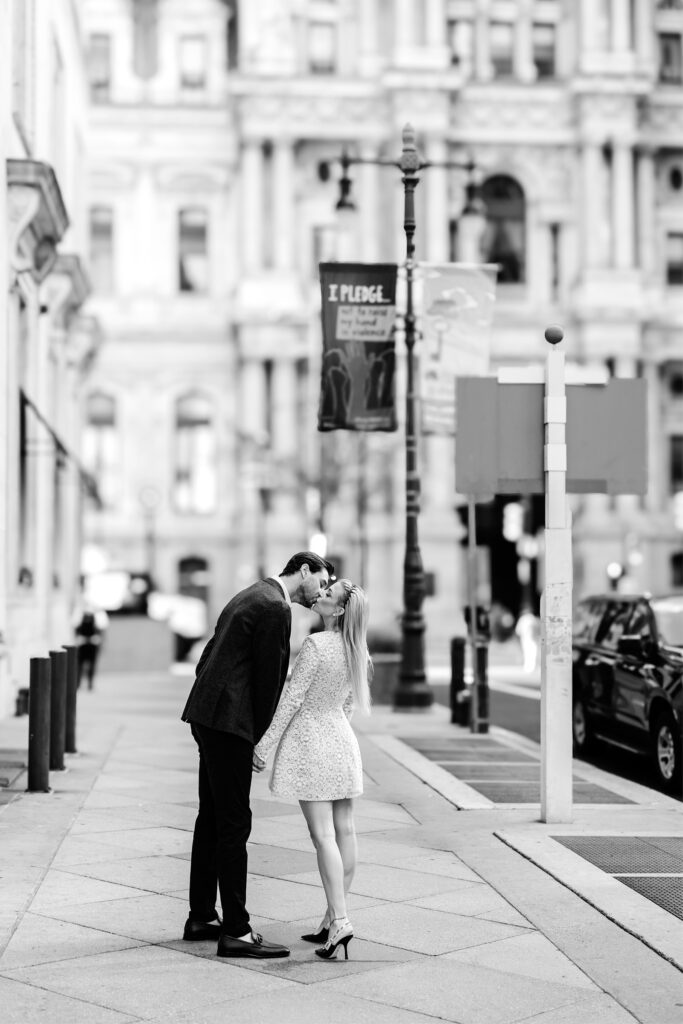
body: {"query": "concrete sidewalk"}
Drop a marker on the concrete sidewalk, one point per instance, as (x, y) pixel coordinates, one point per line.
(471, 915)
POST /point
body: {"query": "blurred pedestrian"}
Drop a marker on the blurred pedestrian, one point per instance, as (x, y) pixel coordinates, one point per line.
(90, 622)
(237, 685)
(318, 760)
(528, 633)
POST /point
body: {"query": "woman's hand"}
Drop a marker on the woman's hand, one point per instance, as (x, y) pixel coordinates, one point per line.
(257, 763)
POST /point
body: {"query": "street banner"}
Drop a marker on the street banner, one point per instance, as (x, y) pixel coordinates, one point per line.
(357, 388)
(457, 304)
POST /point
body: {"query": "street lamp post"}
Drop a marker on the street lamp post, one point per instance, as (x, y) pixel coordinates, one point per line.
(413, 690)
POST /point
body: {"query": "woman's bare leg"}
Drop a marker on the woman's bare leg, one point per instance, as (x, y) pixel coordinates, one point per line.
(320, 821)
(345, 835)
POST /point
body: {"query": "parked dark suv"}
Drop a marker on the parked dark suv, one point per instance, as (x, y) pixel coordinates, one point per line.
(628, 677)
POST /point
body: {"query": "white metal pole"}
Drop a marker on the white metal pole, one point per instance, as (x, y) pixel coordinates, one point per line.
(556, 609)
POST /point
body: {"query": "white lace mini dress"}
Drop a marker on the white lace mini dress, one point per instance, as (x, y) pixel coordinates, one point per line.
(317, 756)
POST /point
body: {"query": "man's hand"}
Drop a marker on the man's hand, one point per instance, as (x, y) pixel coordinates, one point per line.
(257, 764)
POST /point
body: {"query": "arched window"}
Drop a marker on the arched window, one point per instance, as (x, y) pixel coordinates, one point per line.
(101, 446)
(504, 239)
(194, 483)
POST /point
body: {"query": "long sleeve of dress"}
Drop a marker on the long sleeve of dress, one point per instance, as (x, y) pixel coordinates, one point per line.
(292, 698)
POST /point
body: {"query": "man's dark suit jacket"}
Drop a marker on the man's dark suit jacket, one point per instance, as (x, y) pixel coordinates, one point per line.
(243, 667)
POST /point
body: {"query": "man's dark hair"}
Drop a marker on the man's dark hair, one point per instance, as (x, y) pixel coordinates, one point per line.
(309, 558)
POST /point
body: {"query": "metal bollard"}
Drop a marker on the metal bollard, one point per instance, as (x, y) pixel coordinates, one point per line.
(39, 726)
(71, 691)
(458, 690)
(57, 711)
(483, 688)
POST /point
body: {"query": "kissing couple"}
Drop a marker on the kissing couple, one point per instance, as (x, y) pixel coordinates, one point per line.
(240, 710)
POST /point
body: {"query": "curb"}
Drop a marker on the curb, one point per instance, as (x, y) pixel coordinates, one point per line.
(636, 915)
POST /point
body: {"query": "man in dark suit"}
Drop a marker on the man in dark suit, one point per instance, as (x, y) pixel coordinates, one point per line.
(238, 683)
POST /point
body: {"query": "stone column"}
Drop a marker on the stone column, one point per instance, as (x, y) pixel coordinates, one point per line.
(596, 506)
(7, 384)
(436, 189)
(646, 206)
(482, 43)
(44, 455)
(620, 25)
(657, 489)
(592, 214)
(285, 441)
(283, 203)
(252, 205)
(253, 395)
(622, 206)
(524, 67)
(627, 504)
(368, 37)
(435, 23)
(404, 26)
(644, 31)
(541, 259)
(368, 181)
(588, 28)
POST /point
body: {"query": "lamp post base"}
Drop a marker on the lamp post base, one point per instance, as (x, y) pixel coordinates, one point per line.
(413, 697)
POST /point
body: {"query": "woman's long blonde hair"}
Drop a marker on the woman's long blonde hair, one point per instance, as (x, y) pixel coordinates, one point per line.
(354, 631)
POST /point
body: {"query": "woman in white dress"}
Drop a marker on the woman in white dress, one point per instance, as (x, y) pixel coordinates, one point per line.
(317, 760)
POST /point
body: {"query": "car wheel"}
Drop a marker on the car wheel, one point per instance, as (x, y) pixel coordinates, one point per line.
(581, 732)
(666, 751)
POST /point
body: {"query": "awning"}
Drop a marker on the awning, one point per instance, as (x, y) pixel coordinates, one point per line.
(88, 481)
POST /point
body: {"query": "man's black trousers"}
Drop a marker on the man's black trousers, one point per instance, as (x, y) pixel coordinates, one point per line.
(221, 831)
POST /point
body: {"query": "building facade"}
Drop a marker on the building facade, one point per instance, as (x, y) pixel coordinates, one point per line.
(46, 344)
(214, 134)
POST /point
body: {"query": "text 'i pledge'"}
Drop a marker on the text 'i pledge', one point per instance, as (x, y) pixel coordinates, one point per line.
(356, 293)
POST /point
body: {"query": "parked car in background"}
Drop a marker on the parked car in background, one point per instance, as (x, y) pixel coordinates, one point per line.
(628, 678)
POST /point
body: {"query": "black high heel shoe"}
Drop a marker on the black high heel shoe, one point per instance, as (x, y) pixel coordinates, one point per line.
(339, 936)
(321, 935)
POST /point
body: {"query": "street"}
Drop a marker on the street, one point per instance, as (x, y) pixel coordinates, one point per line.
(514, 704)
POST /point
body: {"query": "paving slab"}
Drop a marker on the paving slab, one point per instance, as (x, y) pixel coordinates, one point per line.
(42, 940)
(393, 883)
(530, 955)
(464, 993)
(425, 931)
(303, 1006)
(279, 863)
(148, 982)
(28, 1004)
(151, 918)
(62, 888)
(474, 899)
(158, 874)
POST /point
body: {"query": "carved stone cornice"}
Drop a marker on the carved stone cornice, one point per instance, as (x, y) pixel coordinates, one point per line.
(312, 115)
(67, 288)
(37, 217)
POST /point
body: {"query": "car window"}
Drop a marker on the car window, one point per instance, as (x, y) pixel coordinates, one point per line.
(668, 614)
(613, 626)
(640, 623)
(586, 619)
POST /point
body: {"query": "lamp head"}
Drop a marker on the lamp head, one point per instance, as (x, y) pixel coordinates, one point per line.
(345, 202)
(554, 334)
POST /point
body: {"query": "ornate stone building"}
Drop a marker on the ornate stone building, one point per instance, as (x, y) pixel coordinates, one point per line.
(45, 343)
(214, 133)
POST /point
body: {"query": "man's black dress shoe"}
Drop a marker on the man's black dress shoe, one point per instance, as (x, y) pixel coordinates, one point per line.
(227, 946)
(196, 931)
